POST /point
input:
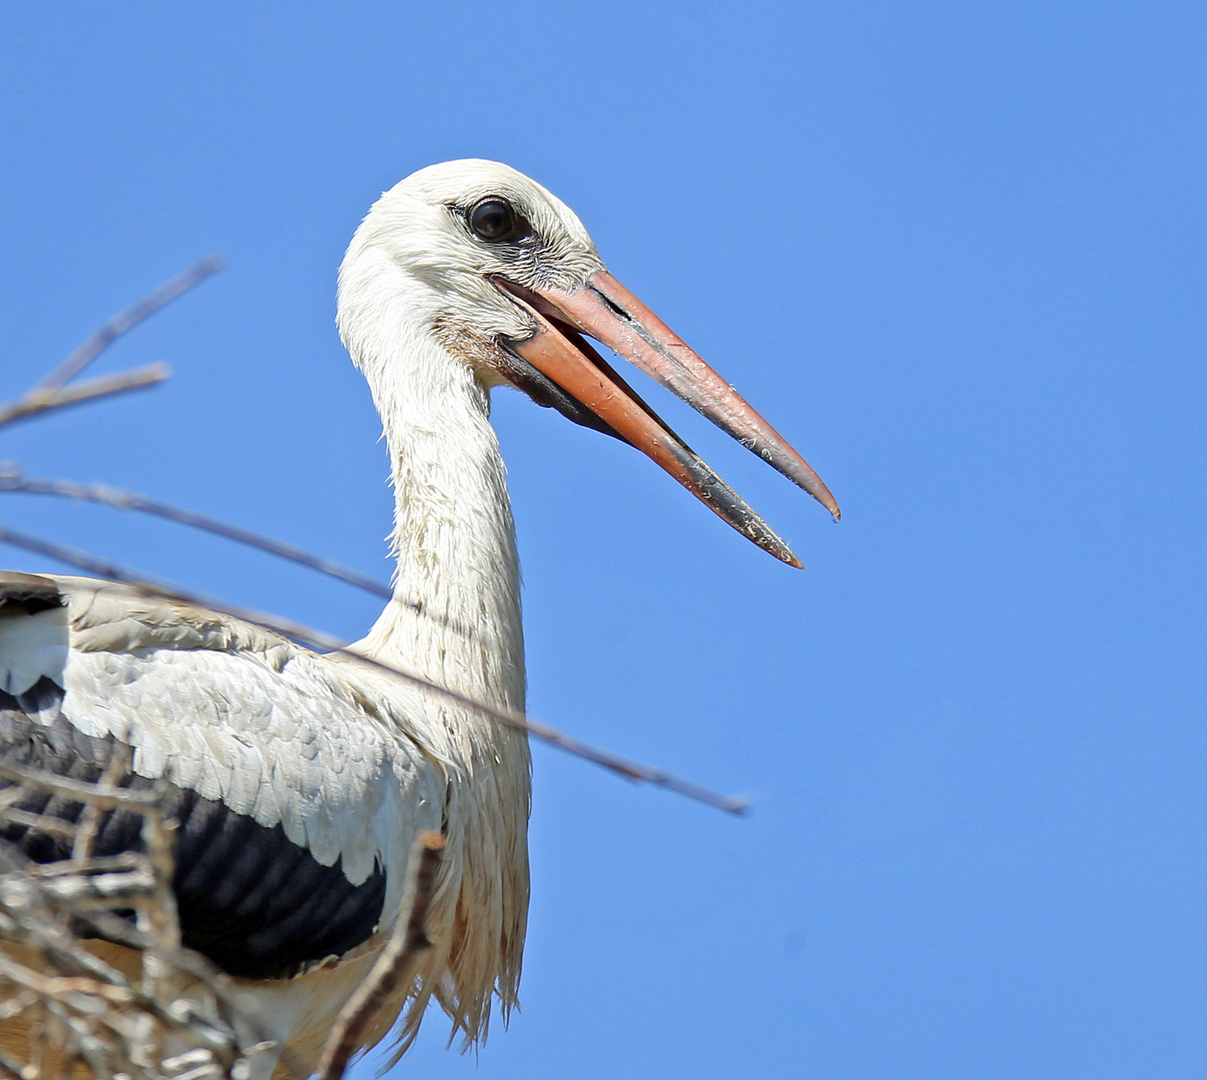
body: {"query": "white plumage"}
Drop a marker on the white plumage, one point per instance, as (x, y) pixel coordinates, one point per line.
(464, 277)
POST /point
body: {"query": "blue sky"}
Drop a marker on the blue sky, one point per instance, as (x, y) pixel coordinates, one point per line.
(952, 251)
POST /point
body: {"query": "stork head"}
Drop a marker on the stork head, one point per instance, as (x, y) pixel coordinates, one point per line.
(506, 278)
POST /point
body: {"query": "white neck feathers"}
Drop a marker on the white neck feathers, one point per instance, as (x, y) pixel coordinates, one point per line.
(454, 539)
(455, 546)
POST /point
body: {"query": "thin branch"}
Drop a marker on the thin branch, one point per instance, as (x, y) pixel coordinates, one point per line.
(78, 888)
(395, 963)
(40, 822)
(105, 335)
(11, 479)
(160, 919)
(95, 864)
(41, 401)
(90, 820)
(80, 790)
(320, 641)
(52, 392)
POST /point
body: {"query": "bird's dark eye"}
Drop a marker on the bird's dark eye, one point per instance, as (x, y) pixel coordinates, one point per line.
(494, 221)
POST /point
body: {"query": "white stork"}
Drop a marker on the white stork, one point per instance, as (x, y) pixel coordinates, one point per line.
(299, 780)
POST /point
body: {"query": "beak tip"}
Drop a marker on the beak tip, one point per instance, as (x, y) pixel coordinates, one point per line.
(822, 494)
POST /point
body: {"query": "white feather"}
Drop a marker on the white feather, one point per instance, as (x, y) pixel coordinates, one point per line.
(32, 647)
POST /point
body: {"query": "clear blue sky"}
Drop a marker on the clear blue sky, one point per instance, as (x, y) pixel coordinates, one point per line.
(954, 251)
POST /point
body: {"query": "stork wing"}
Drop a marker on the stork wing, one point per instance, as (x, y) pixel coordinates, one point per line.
(297, 797)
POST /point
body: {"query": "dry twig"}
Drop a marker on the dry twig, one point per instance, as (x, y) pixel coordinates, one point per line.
(12, 479)
(52, 392)
(323, 642)
(396, 962)
(108, 333)
(105, 386)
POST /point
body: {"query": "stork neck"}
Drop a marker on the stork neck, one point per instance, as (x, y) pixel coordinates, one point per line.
(454, 538)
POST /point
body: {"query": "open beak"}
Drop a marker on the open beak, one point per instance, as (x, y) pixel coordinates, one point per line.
(559, 368)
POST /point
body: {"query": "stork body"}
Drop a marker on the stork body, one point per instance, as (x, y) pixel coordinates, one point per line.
(299, 779)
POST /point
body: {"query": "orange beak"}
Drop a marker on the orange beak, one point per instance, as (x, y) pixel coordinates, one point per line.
(608, 312)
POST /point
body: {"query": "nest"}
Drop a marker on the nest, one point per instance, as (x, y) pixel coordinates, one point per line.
(68, 1010)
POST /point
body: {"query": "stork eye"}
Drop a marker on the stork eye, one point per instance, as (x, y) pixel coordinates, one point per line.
(494, 221)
